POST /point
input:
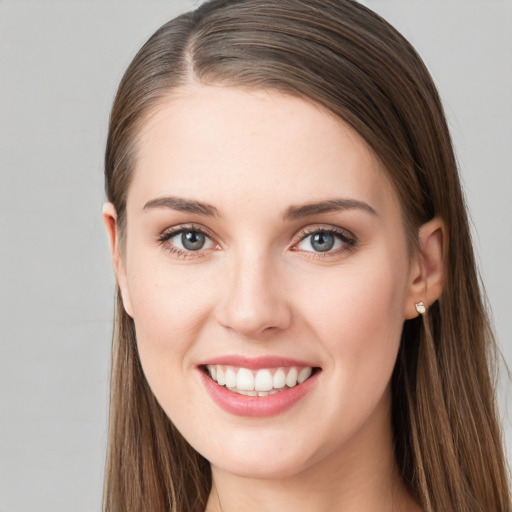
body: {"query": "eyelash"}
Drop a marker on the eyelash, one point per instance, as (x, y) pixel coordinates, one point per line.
(348, 240)
(164, 238)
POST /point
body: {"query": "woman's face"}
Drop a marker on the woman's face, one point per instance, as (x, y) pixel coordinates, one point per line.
(264, 244)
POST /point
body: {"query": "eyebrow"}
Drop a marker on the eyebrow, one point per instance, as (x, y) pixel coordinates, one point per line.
(183, 205)
(331, 205)
(292, 213)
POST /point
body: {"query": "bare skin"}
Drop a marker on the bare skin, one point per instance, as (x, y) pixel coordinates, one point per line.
(273, 269)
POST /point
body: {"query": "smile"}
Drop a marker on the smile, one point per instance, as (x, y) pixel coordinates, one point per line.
(262, 382)
(245, 387)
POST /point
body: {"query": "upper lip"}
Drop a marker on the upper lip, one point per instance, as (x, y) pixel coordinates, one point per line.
(255, 363)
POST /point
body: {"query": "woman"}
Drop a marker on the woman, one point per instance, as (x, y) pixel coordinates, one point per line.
(299, 323)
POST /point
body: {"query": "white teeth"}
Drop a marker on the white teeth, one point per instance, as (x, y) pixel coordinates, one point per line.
(245, 380)
(263, 381)
(279, 379)
(304, 374)
(231, 379)
(221, 380)
(291, 378)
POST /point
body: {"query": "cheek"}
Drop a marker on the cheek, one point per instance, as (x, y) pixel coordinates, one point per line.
(357, 314)
(170, 306)
(170, 310)
(356, 319)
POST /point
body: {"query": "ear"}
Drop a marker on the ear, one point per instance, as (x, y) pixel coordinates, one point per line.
(427, 267)
(110, 221)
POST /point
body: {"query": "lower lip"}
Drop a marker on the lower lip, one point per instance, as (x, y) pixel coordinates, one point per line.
(270, 405)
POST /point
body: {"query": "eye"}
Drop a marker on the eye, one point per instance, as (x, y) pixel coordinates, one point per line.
(190, 240)
(183, 241)
(325, 241)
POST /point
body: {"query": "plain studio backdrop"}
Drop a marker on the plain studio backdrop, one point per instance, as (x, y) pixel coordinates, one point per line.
(60, 63)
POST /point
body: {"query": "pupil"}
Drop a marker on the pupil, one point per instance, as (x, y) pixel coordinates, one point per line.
(192, 240)
(322, 242)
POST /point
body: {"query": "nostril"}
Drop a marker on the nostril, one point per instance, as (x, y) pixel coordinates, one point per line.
(255, 323)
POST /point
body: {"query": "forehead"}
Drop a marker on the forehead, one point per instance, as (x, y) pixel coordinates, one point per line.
(223, 144)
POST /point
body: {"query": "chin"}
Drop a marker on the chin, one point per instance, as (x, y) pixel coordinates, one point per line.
(262, 468)
(260, 456)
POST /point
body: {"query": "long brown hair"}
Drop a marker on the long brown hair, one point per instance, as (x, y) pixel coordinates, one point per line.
(346, 58)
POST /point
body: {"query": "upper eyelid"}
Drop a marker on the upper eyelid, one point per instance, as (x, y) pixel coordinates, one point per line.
(326, 228)
(176, 230)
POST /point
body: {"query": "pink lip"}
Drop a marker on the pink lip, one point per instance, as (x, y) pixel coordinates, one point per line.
(270, 405)
(255, 363)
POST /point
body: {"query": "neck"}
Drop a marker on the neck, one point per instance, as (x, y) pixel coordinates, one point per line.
(361, 476)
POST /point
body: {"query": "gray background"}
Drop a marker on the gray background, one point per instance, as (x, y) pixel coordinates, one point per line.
(60, 62)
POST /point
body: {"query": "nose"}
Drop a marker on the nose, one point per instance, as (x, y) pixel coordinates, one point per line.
(254, 301)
